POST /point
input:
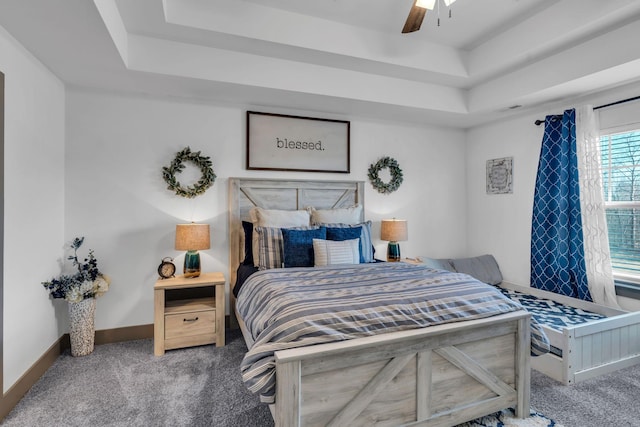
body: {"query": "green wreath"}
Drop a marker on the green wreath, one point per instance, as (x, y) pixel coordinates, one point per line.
(394, 170)
(177, 165)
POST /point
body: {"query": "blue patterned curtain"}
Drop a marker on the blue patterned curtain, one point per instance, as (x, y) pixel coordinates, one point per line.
(557, 249)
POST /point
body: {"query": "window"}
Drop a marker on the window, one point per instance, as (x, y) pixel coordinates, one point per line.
(621, 182)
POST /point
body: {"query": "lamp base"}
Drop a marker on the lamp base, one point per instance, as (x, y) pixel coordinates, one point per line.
(191, 264)
(393, 252)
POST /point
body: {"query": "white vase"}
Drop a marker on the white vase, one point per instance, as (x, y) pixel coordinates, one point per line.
(81, 326)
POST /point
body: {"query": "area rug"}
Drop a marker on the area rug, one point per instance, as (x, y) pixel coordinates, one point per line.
(507, 418)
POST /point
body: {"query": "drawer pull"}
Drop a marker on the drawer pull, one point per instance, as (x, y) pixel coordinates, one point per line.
(190, 320)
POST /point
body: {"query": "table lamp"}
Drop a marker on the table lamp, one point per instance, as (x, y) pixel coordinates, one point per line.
(393, 231)
(192, 238)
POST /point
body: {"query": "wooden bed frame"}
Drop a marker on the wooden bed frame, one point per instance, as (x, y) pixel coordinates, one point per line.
(589, 349)
(437, 376)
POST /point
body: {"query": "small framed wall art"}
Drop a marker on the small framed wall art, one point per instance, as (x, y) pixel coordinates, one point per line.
(500, 176)
(292, 143)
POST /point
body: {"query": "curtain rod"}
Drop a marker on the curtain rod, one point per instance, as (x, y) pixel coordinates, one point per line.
(635, 98)
(539, 122)
(622, 101)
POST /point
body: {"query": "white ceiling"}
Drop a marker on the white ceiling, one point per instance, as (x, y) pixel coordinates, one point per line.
(339, 57)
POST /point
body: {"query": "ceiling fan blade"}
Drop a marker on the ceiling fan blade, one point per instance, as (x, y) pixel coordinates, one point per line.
(414, 20)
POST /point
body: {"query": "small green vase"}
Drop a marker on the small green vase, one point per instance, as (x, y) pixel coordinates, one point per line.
(191, 264)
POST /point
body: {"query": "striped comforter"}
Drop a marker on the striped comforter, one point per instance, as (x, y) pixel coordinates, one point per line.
(295, 307)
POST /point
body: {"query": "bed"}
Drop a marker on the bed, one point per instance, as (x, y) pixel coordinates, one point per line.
(587, 339)
(434, 376)
(602, 344)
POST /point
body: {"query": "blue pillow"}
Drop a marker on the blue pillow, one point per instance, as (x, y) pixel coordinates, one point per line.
(248, 242)
(298, 246)
(438, 264)
(366, 248)
(345, 233)
(484, 268)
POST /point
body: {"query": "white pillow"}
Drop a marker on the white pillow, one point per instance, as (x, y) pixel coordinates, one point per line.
(274, 218)
(352, 215)
(278, 218)
(330, 252)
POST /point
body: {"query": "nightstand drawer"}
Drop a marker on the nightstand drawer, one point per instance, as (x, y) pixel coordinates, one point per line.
(189, 324)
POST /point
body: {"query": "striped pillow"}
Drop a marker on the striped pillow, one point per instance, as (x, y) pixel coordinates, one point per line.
(330, 252)
(366, 247)
(269, 247)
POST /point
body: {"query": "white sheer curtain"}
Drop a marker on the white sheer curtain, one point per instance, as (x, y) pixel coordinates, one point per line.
(594, 224)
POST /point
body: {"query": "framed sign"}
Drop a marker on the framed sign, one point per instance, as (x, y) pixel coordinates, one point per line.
(500, 176)
(292, 143)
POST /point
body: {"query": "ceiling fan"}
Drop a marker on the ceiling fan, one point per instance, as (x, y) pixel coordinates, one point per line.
(418, 11)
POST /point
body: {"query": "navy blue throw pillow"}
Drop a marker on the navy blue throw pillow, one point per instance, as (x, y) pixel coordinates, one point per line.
(298, 246)
(348, 233)
(248, 242)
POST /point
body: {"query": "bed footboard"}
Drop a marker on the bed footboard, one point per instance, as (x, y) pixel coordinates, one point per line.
(436, 376)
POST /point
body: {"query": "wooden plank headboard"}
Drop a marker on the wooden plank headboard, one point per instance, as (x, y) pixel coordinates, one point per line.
(246, 193)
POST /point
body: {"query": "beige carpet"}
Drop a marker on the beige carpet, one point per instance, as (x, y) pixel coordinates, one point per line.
(124, 384)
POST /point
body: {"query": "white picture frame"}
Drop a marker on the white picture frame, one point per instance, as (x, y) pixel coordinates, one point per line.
(500, 176)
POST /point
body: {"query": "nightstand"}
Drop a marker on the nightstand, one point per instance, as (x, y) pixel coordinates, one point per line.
(188, 312)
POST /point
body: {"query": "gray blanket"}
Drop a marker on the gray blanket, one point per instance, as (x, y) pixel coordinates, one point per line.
(295, 307)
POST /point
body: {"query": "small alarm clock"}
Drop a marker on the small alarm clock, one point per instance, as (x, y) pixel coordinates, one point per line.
(167, 269)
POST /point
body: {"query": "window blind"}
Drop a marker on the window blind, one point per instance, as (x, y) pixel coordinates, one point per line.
(621, 185)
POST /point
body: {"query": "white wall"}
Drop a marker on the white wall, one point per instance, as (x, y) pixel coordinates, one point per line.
(501, 224)
(116, 198)
(34, 206)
